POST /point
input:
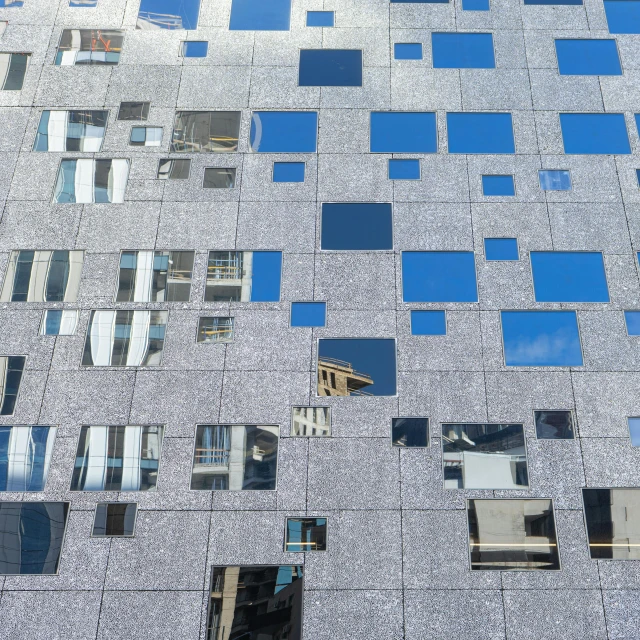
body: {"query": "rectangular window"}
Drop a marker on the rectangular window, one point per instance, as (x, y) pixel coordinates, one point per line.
(243, 276)
(308, 314)
(475, 5)
(235, 458)
(170, 169)
(11, 368)
(205, 131)
(311, 421)
(512, 535)
(87, 181)
(581, 57)
(194, 48)
(114, 520)
(71, 131)
(43, 276)
(403, 132)
(501, 249)
(125, 338)
(25, 457)
(89, 46)
(168, 14)
(439, 276)
(594, 133)
(330, 68)
(623, 16)
(288, 171)
(404, 169)
(569, 276)
(555, 425)
(155, 276)
(410, 432)
(356, 367)
(365, 226)
(632, 320)
(145, 136)
(32, 537)
(484, 456)
(284, 131)
(480, 133)
(407, 51)
(133, 111)
(306, 534)
(419, 1)
(634, 431)
(554, 180)
(83, 3)
(219, 178)
(551, 2)
(215, 329)
(428, 323)
(13, 67)
(462, 51)
(122, 458)
(498, 186)
(58, 322)
(11, 3)
(541, 339)
(320, 18)
(258, 15)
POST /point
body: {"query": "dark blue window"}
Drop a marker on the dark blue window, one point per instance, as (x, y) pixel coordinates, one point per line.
(308, 314)
(594, 133)
(403, 132)
(260, 15)
(588, 58)
(569, 276)
(404, 169)
(195, 49)
(498, 186)
(267, 273)
(554, 180)
(475, 5)
(428, 323)
(439, 276)
(361, 226)
(462, 51)
(330, 68)
(53, 321)
(632, 320)
(541, 339)
(284, 131)
(501, 249)
(623, 16)
(288, 171)
(573, 2)
(638, 176)
(168, 14)
(480, 133)
(407, 51)
(319, 18)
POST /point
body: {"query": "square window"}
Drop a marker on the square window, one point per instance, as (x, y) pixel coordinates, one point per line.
(87, 181)
(25, 457)
(14, 66)
(205, 131)
(623, 16)
(12, 368)
(320, 18)
(114, 520)
(462, 51)
(512, 535)
(428, 323)
(168, 14)
(219, 178)
(306, 534)
(308, 314)
(632, 320)
(146, 136)
(71, 131)
(480, 133)
(194, 48)
(215, 329)
(407, 51)
(284, 131)
(410, 432)
(89, 47)
(288, 171)
(404, 169)
(258, 15)
(58, 322)
(582, 57)
(403, 132)
(170, 169)
(133, 111)
(484, 456)
(555, 425)
(439, 276)
(501, 249)
(356, 367)
(594, 133)
(634, 431)
(330, 68)
(357, 226)
(498, 186)
(475, 5)
(554, 180)
(541, 339)
(569, 276)
(311, 421)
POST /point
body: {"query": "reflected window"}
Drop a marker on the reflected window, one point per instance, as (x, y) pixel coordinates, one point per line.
(125, 338)
(32, 537)
(83, 3)
(89, 46)
(403, 169)
(462, 51)
(555, 425)
(168, 14)
(410, 432)
(582, 57)
(634, 431)
(501, 249)
(71, 131)
(623, 16)
(330, 68)
(11, 368)
(613, 523)
(235, 458)
(594, 133)
(114, 520)
(632, 321)
(13, 67)
(194, 49)
(498, 186)
(403, 132)
(428, 323)
(311, 421)
(43, 276)
(155, 276)
(255, 602)
(91, 181)
(407, 51)
(308, 314)
(284, 131)
(484, 456)
(512, 535)
(356, 367)
(59, 322)
(219, 178)
(480, 133)
(25, 457)
(475, 5)
(123, 458)
(356, 226)
(145, 136)
(306, 534)
(320, 18)
(258, 15)
(11, 3)
(170, 169)
(243, 276)
(215, 329)
(205, 131)
(555, 179)
(133, 111)
(288, 171)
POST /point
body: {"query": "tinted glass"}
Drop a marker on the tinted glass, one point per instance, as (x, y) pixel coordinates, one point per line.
(57, 322)
(114, 519)
(319, 18)
(195, 49)
(634, 431)
(71, 131)
(25, 457)
(501, 249)
(219, 178)
(356, 367)
(284, 131)
(11, 368)
(632, 320)
(205, 131)
(311, 421)
(87, 181)
(555, 180)
(258, 15)
(215, 329)
(594, 133)
(89, 47)
(407, 51)
(410, 432)
(462, 51)
(306, 534)
(541, 339)
(480, 133)
(403, 132)
(366, 226)
(475, 5)
(133, 111)
(554, 425)
(267, 272)
(498, 186)
(588, 58)
(330, 68)
(439, 276)
(169, 169)
(569, 276)
(428, 323)
(168, 14)
(404, 169)
(146, 136)
(14, 67)
(623, 16)
(288, 171)
(308, 314)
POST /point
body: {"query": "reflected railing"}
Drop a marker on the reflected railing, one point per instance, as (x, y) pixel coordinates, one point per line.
(212, 457)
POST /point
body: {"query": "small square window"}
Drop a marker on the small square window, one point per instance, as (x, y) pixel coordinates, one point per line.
(623, 16)
(632, 320)
(403, 132)
(320, 18)
(554, 179)
(555, 425)
(114, 520)
(498, 186)
(163, 14)
(194, 48)
(146, 137)
(410, 432)
(428, 323)
(330, 68)
(133, 111)
(501, 249)
(594, 133)
(357, 226)
(258, 15)
(306, 534)
(58, 322)
(634, 431)
(404, 169)
(407, 51)
(215, 329)
(462, 50)
(480, 133)
(475, 5)
(311, 422)
(288, 171)
(284, 131)
(583, 57)
(219, 178)
(308, 314)
(169, 169)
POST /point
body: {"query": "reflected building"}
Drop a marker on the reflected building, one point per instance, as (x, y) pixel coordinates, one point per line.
(25, 457)
(11, 368)
(339, 378)
(311, 421)
(229, 276)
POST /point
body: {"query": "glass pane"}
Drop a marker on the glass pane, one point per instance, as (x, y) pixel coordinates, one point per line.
(319, 18)
(555, 180)
(288, 171)
(308, 314)
(462, 51)
(284, 131)
(420, 1)
(632, 320)
(229, 276)
(623, 16)
(588, 57)
(501, 249)
(267, 274)
(475, 5)
(258, 15)
(169, 169)
(403, 132)
(404, 169)
(71, 131)
(146, 136)
(554, 425)
(219, 178)
(480, 133)
(205, 131)
(133, 111)
(366, 226)
(89, 46)
(25, 457)
(311, 421)
(634, 431)
(195, 49)
(407, 51)
(215, 329)
(594, 133)
(11, 368)
(498, 186)
(428, 323)
(549, 2)
(168, 14)
(56, 322)
(83, 3)
(330, 68)
(15, 67)
(410, 432)
(114, 519)
(306, 534)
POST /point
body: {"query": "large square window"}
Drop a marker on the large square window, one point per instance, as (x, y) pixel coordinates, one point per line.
(330, 68)
(284, 131)
(594, 133)
(308, 314)
(403, 132)
(569, 276)
(306, 534)
(462, 51)
(582, 57)
(258, 15)
(71, 131)
(14, 67)
(541, 339)
(480, 133)
(410, 432)
(439, 276)
(89, 46)
(311, 422)
(205, 131)
(168, 14)
(428, 323)
(25, 457)
(623, 16)
(366, 226)
(89, 181)
(11, 369)
(555, 425)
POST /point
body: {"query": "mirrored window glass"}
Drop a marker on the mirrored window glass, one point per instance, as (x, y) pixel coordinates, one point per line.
(462, 50)
(168, 14)
(407, 51)
(235, 458)
(311, 421)
(89, 46)
(32, 537)
(133, 111)
(555, 180)
(306, 534)
(43, 276)
(555, 425)
(484, 456)
(308, 314)
(623, 16)
(475, 5)
(501, 249)
(25, 457)
(205, 131)
(612, 517)
(632, 320)
(83, 3)
(257, 15)
(403, 132)
(13, 67)
(284, 131)
(114, 520)
(59, 322)
(288, 171)
(194, 49)
(330, 68)
(583, 57)
(356, 226)
(11, 368)
(219, 178)
(428, 323)
(480, 133)
(87, 181)
(145, 136)
(320, 18)
(215, 329)
(594, 133)
(11, 3)
(356, 367)
(255, 603)
(410, 432)
(122, 458)
(125, 338)
(170, 169)
(498, 186)
(403, 169)
(634, 431)
(71, 131)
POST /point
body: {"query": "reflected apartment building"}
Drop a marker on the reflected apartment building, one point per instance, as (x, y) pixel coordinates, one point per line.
(229, 276)
(339, 378)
